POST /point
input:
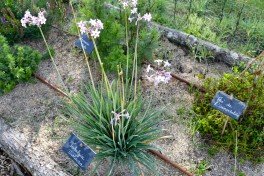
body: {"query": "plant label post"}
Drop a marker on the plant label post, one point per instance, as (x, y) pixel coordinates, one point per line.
(85, 43)
(228, 105)
(78, 151)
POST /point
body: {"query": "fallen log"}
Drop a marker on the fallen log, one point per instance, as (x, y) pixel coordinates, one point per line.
(226, 56)
(16, 145)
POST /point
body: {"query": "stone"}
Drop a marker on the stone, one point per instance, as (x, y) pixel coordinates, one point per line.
(184, 68)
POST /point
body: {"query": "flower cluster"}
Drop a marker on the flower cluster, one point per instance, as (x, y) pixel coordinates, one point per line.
(137, 16)
(128, 3)
(159, 76)
(91, 27)
(33, 20)
(134, 11)
(117, 116)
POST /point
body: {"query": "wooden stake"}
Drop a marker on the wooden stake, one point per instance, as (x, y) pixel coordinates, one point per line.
(225, 125)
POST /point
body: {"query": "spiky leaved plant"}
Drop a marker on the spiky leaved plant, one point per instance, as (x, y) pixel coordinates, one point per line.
(116, 127)
(111, 117)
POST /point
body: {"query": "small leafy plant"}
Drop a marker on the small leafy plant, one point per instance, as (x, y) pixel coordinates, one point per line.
(247, 87)
(17, 64)
(202, 167)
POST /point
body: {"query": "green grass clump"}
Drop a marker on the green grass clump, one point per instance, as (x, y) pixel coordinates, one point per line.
(125, 140)
(250, 127)
(16, 64)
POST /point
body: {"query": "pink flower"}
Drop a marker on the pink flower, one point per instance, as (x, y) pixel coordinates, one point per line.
(27, 14)
(130, 19)
(159, 61)
(33, 20)
(159, 76)
(92, 22)
(134, 11)
(128, 3)
(167, 64)
(83, 30)
(95, 33)
(24, 22)
(94, 29)
(167, 77)
(83, 26)
(99, 25)
(134, 3)
(127, 116)
(125, 4)
(114, 120)
(117, 116)
(147, 17)
(42, 19)
(149, 68)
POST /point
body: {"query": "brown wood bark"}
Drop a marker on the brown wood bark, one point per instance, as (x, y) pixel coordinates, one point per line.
(32, 157)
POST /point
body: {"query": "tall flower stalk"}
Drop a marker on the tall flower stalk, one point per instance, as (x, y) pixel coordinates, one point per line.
(134, 15)
(135, 63)
(38, 21)
(127, 44)
(84, 53)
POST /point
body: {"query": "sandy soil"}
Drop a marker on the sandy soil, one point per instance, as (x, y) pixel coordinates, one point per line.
(35, 110)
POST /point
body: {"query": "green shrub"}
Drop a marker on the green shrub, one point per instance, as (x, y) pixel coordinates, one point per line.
(250, 127)
(16, 64)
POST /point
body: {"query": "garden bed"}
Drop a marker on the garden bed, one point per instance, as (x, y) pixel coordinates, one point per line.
(34, 110)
